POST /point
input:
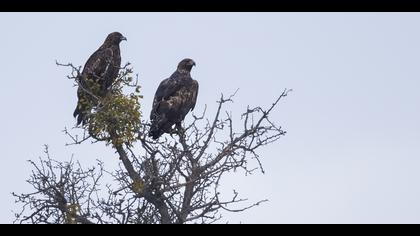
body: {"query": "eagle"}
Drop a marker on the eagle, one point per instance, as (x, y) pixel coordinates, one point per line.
(174, 98)
(98, 74)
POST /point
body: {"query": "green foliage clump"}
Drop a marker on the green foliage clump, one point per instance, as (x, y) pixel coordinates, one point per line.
(117, 120)
(71, 213)
(138, 186)
(116, 116)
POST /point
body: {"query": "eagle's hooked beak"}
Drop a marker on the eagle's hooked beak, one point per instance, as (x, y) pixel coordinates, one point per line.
(123, 38)
(192, 63)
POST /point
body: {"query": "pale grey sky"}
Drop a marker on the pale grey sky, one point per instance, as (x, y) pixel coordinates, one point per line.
(351, 154)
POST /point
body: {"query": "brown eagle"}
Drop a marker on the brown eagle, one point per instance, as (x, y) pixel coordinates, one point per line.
(99, 72)
(174, 98)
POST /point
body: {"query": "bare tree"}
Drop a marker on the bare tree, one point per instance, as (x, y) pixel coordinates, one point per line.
(172, 180)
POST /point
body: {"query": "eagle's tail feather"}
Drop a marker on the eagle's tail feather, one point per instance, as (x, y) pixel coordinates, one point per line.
(159, 126)
(155, 132)
(79, 113)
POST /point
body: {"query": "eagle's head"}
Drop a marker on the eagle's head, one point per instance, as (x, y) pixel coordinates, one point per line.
(186, 65)
(114, 38)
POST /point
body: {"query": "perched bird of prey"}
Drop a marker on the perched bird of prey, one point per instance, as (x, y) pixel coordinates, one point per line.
(174, 98)
(99, 72)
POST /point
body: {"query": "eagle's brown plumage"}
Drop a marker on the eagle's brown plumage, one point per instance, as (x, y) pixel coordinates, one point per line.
(174, 98)
(99, 72)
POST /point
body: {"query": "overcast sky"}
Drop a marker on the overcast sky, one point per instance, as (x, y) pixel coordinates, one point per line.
(352, 149)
